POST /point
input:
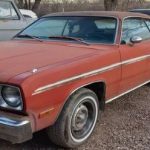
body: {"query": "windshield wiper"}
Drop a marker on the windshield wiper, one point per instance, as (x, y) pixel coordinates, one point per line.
(80, 40)
(28, 36)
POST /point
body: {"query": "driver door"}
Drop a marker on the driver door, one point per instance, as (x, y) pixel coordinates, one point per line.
(133, 54)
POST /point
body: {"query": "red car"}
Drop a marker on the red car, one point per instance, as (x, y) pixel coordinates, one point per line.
(60, 71)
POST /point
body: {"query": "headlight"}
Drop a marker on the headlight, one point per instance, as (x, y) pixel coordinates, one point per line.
(11, 96)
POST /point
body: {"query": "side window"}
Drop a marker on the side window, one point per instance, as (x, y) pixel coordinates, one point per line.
(7, 11)
(134, 27)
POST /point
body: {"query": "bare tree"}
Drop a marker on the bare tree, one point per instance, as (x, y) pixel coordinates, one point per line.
(29, 4)
(131, 4)
(42, 7)
(110, 4)
(36, 5)
(141, 1)
(20, 3)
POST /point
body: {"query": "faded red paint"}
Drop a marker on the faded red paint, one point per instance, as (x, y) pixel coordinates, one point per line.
(57, 61)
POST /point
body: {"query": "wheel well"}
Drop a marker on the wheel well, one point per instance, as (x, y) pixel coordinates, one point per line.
(99, 89)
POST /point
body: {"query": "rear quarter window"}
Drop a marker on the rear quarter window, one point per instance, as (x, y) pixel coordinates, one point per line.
(134, 27)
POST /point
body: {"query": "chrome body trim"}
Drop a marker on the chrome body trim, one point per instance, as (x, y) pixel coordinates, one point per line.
(88, 74)
(84, 75)
(134, 60)
(110, 100)
(12, 123)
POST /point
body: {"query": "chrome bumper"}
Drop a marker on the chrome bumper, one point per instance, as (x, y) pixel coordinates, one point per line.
(15, 129)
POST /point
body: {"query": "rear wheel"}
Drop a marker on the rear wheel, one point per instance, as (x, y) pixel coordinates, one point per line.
(77, 120)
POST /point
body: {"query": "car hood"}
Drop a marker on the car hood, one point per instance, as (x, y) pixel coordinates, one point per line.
(17, 57)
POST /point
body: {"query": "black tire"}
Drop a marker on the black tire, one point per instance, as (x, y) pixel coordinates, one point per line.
(76, 121)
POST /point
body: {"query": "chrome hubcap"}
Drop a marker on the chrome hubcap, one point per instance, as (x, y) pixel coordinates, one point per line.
(80, 118)
(83, 119)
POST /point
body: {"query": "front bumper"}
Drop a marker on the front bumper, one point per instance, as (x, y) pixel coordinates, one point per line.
(15, 128)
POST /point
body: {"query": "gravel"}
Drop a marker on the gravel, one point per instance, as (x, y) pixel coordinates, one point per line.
(125, 125)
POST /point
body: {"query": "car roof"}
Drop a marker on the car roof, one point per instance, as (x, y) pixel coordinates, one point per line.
(116, 14)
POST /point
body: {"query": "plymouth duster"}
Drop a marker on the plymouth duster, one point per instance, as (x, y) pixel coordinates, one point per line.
(59, 72)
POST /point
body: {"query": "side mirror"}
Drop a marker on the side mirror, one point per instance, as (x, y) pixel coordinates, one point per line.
(136, 39)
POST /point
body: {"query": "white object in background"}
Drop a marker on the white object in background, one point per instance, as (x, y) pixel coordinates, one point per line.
(11, 20)
(28, 13)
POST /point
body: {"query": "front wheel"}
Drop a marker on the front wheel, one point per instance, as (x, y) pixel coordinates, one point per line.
(77, 120)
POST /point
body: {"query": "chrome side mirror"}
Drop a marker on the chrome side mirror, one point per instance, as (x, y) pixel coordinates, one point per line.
(136, 39)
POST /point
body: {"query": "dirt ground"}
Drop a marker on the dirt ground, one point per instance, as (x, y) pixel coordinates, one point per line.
(125, 125)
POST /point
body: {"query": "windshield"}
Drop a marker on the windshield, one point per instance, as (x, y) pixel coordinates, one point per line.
(89, 29)
(7, 11)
